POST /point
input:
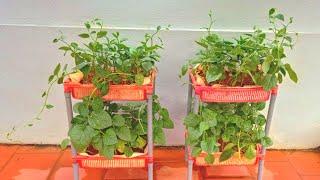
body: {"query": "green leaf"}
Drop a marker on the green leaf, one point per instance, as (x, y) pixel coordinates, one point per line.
(76, 107)
(280, 79)
(250, 152)
(192, 120)
(141, 142)
(64, 48)
(208, 145)
(60, 80)
(159, 136)
(293, 76)
(87, 25)
(261, 120)
(214, 73)
(84, 35)
(139, 78)
(120, 146)
(266, 64)
(210, 117)
(104, 88)
(270, 81)
(55, 40)
(108, 151)
(202, 44)
(194, 133)
(260, 106)
(74, 45)
(196, 151)
(97, 141)
(49, 106)
(110, 137)
(280, 17)
(79, 120)
(209, 158)
(272, 11)
(203, 126)
(282, 32)
(229, 146)
(80, 136)
(184, 70)
(167, 122)
(266, 141)
(118, 120)
(57, 69)
(277, 52)
(246, 125)
(124, 133)
(83, 110)
(141, 130)
(50, 78)
(100, 120)
(81, 65)
(97, 104)
(128, 151)
(64, 144)
(288, 38)
(226, 154)
(158, 28)
(147, 66)
(101, 34)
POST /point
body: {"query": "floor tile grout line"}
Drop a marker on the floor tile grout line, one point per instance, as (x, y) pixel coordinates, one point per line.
(5, 164)
(293, 167)
(55, 165)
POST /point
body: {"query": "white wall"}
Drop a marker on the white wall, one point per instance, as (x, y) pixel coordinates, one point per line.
(27, 56)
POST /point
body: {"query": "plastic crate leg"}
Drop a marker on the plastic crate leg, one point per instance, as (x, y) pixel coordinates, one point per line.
(267, 128)
(189, 103)
(150, 138)
(190, 160)
(75, 165)
(190, 168)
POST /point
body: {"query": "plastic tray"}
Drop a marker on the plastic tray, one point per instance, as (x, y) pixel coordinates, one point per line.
(234, 160)
(231, 94)
(116, 92)
(115, 162)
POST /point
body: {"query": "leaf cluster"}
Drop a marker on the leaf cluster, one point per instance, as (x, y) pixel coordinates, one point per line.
(106, 59)
(229, 128)
(113, 128)
(252, 58)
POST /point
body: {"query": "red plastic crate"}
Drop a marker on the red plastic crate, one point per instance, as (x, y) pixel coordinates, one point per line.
(234, 160)
(231, 94)
(116, 92)
(115, 162)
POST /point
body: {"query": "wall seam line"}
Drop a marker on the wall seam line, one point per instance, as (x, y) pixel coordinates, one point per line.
(146, 28)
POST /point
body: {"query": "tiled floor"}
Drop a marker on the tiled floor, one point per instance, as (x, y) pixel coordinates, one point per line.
(49, 162)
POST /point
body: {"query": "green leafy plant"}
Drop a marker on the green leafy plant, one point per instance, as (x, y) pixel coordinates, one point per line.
(251, 59)
(102, 60)
(105, 59)
(110, 128)
(230, 128)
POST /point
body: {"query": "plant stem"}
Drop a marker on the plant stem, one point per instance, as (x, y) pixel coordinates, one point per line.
(239, 148)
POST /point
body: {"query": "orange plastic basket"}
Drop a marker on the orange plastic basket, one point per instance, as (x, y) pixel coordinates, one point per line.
(231, 94)
(116, 92)
(115, 162)
(234, 160)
